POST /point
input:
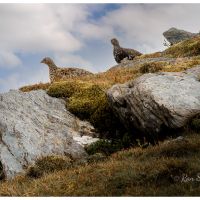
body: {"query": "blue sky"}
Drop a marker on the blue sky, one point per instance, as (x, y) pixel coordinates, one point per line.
(79, 35)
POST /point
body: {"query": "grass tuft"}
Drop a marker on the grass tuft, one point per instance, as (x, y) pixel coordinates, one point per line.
(48, 165)
(151, 67)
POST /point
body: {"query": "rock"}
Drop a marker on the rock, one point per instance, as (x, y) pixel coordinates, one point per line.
(178, 140)
(85, 140)
(156, 101)
(34, 125)
(174, 35)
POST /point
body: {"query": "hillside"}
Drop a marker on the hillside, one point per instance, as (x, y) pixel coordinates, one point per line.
(170, 169)
(125, 166)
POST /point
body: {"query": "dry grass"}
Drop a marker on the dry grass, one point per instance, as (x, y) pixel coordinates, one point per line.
(39, 86)
(182, 64)
(190, 47)
(151, 55)
(154, 171)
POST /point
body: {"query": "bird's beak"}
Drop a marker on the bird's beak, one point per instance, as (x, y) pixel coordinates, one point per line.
(42, 61)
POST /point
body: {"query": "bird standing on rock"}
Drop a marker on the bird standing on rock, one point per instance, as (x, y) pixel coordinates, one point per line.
(121, 53)
(57, 73)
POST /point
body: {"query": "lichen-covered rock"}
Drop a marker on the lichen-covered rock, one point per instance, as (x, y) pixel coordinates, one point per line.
(154, 101)
(34, 125)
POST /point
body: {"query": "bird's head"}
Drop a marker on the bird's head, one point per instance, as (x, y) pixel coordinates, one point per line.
(115, 42)
(47, 61)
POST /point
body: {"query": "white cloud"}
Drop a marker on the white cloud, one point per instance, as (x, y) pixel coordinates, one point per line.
(39, 27)
(9, 60)
(74, 36)
(141, 26)
(75, 61)
(96, 31)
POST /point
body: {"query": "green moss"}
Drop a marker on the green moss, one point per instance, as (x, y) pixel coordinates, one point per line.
(63, 89)
(91, 104)
(84, 102)
(88, 101)
(47, 165)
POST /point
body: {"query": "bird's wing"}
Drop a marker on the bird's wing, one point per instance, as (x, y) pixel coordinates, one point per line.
(132, 52)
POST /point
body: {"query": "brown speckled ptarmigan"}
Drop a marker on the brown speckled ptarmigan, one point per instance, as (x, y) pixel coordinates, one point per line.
(57, 73)
(121, 53)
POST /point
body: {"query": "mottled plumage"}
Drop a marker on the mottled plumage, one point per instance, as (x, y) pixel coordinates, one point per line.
(56, 73)
(121, 53)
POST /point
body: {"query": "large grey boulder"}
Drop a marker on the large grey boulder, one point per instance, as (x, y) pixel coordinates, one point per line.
(174, 35)
(154, 101)
(33, 125)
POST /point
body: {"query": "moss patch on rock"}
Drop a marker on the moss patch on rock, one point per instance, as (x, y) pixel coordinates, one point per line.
(84, 102)
(88, 101)
(91, 104)
(66, 89)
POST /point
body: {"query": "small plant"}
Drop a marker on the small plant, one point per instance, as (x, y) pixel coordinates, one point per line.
(195, 124)
(151, 67)
(105, 120)
(102, 146)
(109, 147)
(47, 165)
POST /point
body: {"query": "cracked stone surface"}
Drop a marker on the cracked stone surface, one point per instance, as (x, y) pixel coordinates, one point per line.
(153, 100)
(33, 125)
